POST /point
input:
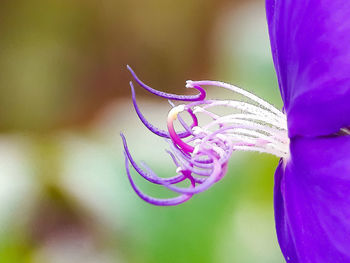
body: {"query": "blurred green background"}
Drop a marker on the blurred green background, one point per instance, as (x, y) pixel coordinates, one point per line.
(64, 194)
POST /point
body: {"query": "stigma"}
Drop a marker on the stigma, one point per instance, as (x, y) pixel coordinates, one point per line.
(201, 150)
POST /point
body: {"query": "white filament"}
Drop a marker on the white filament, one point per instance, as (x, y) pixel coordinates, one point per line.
(258, 127)
(243, 92)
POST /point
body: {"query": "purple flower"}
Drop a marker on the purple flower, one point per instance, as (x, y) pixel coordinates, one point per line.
(310, 42)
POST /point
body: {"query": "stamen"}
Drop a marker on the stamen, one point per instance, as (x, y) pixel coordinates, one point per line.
(183, 123)
(153, 129)
(206, 184)
(243, 92)
(174, 136)
(149, 175)
(170, 96)
(201, 152)
(156, 201)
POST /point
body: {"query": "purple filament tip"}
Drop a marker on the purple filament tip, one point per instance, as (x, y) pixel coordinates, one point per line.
(155, 201)
(149, 175)
(153, 129)
(170, 96)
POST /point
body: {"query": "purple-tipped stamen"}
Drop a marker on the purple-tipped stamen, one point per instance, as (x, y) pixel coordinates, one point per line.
(170, 96)
(152, 128)
(155, 201)
(201, 153)
(186, 148)
(150, 175)
(217, 168)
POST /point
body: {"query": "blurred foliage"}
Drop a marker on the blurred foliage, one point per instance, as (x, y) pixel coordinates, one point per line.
(64, 195)
(60, 61)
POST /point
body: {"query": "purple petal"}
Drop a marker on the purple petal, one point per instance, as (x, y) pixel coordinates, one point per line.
(311, 51)
(312, 201)
(282, 223)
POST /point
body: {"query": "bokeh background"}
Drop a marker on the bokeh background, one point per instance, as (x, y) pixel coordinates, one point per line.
(64, 98)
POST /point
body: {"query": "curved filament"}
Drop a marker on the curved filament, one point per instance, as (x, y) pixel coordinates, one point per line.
(155, 201)
(170, 96)
(150, 176)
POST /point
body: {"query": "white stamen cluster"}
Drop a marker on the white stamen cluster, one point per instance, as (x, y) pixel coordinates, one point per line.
(258, 126)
